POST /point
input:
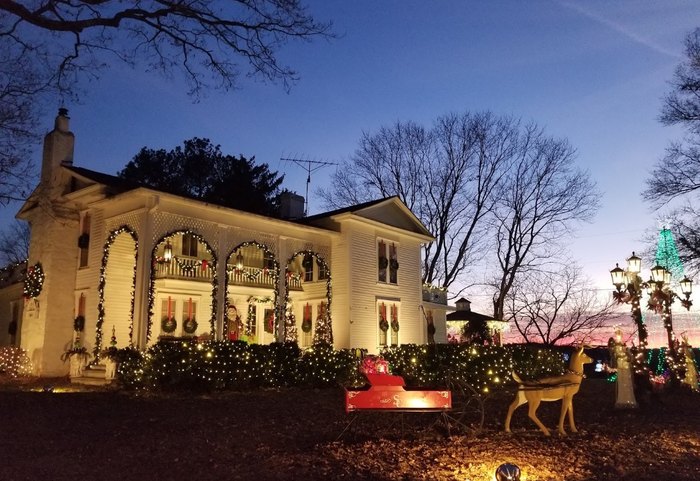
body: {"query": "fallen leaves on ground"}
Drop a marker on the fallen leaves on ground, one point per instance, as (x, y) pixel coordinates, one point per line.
(109, 434)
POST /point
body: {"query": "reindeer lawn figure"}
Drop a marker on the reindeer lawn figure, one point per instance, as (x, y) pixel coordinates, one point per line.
(551, 389)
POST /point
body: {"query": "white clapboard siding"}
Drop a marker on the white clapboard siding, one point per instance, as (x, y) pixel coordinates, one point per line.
(340, 292)
(366, 290)
(119, 278)
(88, 277)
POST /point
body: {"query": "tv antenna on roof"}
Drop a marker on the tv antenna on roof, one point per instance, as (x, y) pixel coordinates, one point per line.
(310, 166)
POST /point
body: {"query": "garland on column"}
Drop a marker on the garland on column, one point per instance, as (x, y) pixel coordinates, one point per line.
(103, 281)
(290, 326)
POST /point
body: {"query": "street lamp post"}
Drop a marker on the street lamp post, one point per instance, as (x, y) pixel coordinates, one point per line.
(629, 287)
(661, 296)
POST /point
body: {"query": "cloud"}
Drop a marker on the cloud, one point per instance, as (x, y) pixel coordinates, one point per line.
(621, 29)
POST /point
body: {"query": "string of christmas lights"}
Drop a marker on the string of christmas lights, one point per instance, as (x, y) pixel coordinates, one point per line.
(152, 285)
(103, 282)
(214, 365)
(275, 271)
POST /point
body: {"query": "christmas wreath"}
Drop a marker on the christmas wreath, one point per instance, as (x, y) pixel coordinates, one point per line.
(168, 324)
(383, 262)
(394, 325)
(306, 325)
(394, 264)
(189, 325)
(383, 324)
(34, 281)
(79, 323)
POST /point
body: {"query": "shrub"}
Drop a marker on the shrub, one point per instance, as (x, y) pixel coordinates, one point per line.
(14, 361)
(217, 365)
(483, 367)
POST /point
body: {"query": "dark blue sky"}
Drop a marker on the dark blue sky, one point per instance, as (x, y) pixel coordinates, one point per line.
(591, 71)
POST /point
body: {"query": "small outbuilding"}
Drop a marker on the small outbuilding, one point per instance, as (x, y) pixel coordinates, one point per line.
(489, 327)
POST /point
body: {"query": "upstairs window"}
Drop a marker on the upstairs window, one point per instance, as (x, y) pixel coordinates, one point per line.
(189, 245)
(84, 240)
(322, 270)
(308, 265)
(387, 262)
(268, 260)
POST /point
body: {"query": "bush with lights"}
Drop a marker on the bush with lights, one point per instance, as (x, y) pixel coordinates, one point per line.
(196, 365)
(322, 366)
(14, 362)
(483, 367)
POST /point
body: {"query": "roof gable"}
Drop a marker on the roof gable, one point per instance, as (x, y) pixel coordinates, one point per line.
(390, 211)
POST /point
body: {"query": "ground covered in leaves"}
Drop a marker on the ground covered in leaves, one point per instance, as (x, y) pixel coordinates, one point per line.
(110, 434)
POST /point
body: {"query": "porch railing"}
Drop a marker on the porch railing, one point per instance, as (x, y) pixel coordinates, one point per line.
(190, 269)
(196, 270)
(256, 277)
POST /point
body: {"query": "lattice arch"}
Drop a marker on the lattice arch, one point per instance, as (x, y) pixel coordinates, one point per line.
(167, 224)
(102, 282)
(324, 331)
(214, 281)
(276, 273)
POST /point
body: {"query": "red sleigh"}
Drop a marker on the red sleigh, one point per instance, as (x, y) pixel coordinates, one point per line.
(387, 393)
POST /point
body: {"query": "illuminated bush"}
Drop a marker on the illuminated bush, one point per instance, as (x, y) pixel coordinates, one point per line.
(322, 366)
(220, 365)
(483, 367)
(14, 362)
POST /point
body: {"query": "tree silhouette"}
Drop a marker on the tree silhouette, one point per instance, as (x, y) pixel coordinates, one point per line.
(47, 48)
(199, 170)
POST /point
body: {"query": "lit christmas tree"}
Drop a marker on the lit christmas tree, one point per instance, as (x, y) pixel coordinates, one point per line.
(667, 254)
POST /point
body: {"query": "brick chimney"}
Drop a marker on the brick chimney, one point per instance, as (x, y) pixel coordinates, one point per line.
(58, 148)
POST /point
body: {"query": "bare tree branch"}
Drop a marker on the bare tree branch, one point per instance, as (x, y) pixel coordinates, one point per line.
(48, 46)
(543, 197)
(447, 175)
(558, 307)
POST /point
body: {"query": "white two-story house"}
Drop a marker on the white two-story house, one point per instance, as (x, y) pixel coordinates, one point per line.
(140, 265)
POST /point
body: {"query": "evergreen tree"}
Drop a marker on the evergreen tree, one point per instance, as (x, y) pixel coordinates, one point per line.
(667, 254)
(199, 170)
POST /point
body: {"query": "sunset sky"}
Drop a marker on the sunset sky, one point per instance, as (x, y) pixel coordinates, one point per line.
(591, 71)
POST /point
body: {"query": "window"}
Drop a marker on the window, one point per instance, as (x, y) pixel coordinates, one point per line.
(13, 327)
(269, 321)
(81, 304)
(189, 245)
(251, 321)
(169, 322)
(308, 265)
(306, 326)
(322, 270)
(387, 262)
(393, 264)
(388, 322)
(84, 240)
(383, 324)
(189, 309)
(189, 316)
(394, 324)
(268, 260)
